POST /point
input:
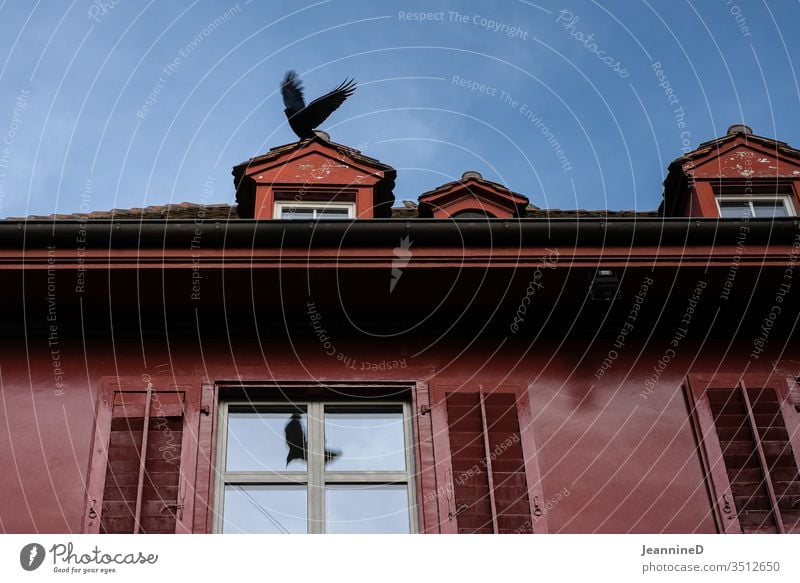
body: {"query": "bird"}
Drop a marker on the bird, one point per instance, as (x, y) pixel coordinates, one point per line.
(304, 119)
(297, 443)
(295, 439)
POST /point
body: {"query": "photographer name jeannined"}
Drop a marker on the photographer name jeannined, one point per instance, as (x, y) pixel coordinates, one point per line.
(676, 550)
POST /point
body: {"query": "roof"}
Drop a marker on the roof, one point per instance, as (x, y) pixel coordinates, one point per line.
(279, 151)
(476, 177)
(181, 210)
(224, 212)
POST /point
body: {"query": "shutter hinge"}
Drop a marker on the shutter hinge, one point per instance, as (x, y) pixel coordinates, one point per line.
(175, 510)
(424, 409)
(205, 410)
(461, 508)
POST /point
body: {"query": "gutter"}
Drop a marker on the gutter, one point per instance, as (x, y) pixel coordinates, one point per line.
(21, 236)
(424, 243)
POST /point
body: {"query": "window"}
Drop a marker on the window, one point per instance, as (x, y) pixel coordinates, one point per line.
(486, 459)
(130, 493)
(473, 214)
(317, 466)
(305, 211)
(767, 206)
(749, 434)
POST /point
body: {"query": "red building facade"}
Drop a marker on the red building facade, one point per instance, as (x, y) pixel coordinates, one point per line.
(314, 360)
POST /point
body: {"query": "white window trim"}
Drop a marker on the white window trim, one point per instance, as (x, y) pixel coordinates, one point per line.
(280, 206)
(313, 478)
(785, 199)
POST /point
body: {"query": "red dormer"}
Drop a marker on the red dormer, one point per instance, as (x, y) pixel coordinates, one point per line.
(472, 197)
(314, 179)
(738, 175)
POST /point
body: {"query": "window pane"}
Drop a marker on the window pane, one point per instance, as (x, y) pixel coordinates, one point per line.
(366, 509)
(734, 209)
(267, 440)
(332, 213)
(769, 208)
(360, 440)
(473, 214)
(298, 214)
(265, 509)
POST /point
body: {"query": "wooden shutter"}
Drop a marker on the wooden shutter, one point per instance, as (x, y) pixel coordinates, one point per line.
(751, 450)
(487, 473)
(144, 456)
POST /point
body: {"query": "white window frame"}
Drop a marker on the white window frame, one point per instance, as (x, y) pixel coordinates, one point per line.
(282, 205)
(785, 199)
(315, 478)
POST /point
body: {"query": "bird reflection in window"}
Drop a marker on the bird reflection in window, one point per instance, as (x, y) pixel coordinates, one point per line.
(298, 445)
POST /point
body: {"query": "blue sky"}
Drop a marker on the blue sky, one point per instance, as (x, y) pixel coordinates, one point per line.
(79, 130)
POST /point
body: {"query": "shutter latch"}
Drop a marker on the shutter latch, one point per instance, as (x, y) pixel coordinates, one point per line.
(537, 510)
(726, 507)
(92, 511)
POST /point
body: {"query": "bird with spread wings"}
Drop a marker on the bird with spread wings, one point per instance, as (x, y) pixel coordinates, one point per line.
(297, 443)
(304, 119)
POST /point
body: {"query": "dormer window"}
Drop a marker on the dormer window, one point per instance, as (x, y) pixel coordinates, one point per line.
(734, 176)
(735, 207)
(310, 211)
(472, 197)
(314, 179)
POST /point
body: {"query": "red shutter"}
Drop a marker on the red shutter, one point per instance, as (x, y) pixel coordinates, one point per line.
(144, 456)
(487, 473)
(750, 447)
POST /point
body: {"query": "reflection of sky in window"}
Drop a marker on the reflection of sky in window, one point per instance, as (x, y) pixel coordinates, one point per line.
(366, 509)
(265, 509)
(760, 208)
(734, 210)
(769, 209)
(366, 441)
(257, 442)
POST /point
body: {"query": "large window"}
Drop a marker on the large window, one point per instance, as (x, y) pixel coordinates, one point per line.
(750, 437)
(314, 467)
(307, 211)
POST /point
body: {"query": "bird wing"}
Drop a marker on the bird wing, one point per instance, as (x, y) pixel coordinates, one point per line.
(292, 91)
(318, 110)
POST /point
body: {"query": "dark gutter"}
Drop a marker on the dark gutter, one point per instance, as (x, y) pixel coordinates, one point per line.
(584, 232)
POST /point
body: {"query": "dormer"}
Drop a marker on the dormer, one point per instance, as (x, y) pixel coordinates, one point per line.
(738, 175)
(472, 197)
(314, 179)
